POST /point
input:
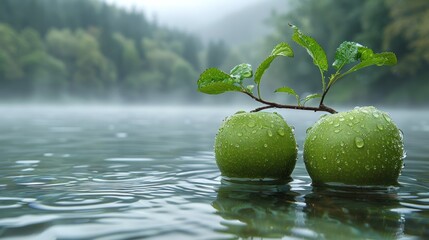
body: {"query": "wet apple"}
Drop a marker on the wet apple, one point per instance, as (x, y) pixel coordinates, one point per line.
(256, 145)
(359, 147)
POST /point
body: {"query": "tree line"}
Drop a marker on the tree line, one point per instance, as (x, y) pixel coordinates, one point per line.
(89, 50)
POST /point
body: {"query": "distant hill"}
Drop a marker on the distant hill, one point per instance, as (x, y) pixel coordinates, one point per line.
(246, 25)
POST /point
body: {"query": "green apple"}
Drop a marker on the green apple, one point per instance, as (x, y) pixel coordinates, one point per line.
(360, 147)
(256, 145)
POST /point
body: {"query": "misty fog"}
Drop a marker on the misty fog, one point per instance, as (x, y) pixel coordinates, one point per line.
(140, 52)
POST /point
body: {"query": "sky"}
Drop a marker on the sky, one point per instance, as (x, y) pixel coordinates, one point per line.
(185, 14)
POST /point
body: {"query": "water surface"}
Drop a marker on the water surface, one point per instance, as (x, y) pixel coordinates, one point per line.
(146, 172)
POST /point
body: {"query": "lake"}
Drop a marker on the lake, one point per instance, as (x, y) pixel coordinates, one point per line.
(149, 172)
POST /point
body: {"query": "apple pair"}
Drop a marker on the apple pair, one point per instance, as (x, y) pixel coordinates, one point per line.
(361, 147)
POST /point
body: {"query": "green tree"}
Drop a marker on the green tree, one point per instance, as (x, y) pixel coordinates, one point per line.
(10, 69)
(43, 74)
(409, 25)
(183, 78)
(90, 49)
(90, 73)
(217, 53)
(128, 61)
(94, 74)
(46, 74)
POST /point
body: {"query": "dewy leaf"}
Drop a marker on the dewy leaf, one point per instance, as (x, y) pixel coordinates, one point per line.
(214, 81)
(365, 53)
(290, 91)
(309, 97)
(346, 53)
(313, 48)
(378, 59)
(282, 49)
(241, 72)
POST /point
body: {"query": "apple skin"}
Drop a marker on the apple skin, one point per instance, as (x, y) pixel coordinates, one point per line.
(361, 147)
(255, 145)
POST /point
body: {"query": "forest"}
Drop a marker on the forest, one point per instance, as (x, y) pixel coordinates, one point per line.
(87, 50)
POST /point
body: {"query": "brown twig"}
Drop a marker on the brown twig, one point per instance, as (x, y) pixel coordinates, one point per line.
(321, 108)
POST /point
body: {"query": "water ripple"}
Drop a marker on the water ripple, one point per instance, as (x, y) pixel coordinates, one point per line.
(129, 159)
(138, 174)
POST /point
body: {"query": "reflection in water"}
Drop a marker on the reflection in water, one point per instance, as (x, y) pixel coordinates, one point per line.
(274, 211)
(260, 210)
(367, 211)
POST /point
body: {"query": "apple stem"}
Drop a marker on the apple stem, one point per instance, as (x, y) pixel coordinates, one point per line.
(320, 108)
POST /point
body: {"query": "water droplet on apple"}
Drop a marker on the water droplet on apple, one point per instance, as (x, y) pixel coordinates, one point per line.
(404, 154)
(337, 130)
(376, 115)
(380, 126)
(251, 124)
(387, 118)
(239, 134)
(281, 132)
(359, 142)
(265, 145)
(270, 134)
(401, 134)
(341, 119)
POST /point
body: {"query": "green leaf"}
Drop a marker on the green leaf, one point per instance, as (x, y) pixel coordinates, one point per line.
(346, 53)
(214, 81)
(241, 72)
(282, 49)
(289, 91)
(378, 59)
(365, 53)
(309, 97)
(313, 48)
